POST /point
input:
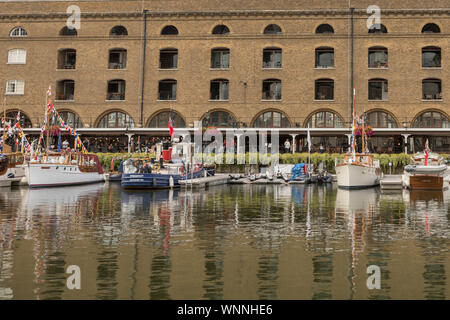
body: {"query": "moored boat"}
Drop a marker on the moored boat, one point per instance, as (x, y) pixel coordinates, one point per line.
(358, 171)
(12, 170)
(58, 169)
(426, 171)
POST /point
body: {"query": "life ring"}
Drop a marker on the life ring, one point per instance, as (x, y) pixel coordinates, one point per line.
(182, 169)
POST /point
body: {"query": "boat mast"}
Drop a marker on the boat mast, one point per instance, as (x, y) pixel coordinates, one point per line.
(46, 103)
(363, 135)
(353, 123)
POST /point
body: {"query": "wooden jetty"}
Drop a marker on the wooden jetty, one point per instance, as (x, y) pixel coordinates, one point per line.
(203, 182)
(391, 182)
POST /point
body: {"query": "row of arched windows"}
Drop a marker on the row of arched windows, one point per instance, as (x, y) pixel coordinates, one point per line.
(266, 119)
(271, 29)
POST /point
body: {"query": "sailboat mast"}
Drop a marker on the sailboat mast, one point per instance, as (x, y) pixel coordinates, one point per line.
(363, 135)
(353, 123)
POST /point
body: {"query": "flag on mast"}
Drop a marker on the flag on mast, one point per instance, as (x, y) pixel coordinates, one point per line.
(170, 127)
(309, 140)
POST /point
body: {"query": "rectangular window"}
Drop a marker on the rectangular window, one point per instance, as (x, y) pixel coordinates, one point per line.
(272, 59)
(220, 59)
(219, 90)
(15, 87)
(118, 59)
(431, 58)
(324, 58)
(168, 59)
(378, 90)
(17, 56)
(378, 58)
(167, 90)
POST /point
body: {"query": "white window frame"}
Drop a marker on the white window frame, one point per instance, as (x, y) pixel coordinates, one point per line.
(22, 32)
(17, 56)
(17, 84)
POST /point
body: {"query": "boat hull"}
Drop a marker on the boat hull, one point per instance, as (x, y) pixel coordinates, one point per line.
(423, 182)
(13, 175)
(53, 175)
(354, 176)
(154, 180)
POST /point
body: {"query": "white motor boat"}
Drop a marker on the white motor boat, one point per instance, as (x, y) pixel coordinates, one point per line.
(12, 170)
(64, 170)
(426, 172)
(358, 171)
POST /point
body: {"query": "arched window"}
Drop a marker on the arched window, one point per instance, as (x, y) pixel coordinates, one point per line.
(324, 119)
(431, 119)
(17, 56)
(431, 89)
(118, 31)
(221, 29)
(71, 119)
(219, 89)
(117, 59)
(24, 120)
(273, 29)
(116, 119)
(271, 119)
(378, 28)
(378, 89)
(65, 90)
(66, 31)
(271, 89)
(116, 90)
(18, 32)
(380, 119)
(431, 28)
(272, 58)
(168, 59)
(324, 28)
(169, 31)
(324, 57)
(324, 89)
(378, 57)
(220, 119)
(161, 120)
(67, 59)
(167, 89)
(431, 57)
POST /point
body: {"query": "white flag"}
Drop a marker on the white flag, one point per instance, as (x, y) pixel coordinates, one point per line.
(309, 140)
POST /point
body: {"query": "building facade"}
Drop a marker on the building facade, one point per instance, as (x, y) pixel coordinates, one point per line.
(133, 64)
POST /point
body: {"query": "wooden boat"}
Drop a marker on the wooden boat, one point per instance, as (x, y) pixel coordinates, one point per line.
(12, 170)
(59, 169)
(426, 172)
(358, 171)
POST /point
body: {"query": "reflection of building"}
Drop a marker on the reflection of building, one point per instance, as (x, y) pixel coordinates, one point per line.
(246, 64)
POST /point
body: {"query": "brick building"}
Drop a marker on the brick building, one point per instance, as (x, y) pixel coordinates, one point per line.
(228, 63)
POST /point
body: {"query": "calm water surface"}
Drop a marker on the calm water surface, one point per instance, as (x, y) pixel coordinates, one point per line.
(226, 242)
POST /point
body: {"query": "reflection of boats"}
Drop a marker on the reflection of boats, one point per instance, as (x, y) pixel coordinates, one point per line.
(36, 198)
(11, 168)
(354, 200)
(59, 169)
(426, 196)
(426, 171)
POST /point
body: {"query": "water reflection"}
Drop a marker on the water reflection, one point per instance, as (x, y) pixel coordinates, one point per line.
(230, 242)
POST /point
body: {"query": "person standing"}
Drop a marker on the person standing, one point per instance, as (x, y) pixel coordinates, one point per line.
(287, 146)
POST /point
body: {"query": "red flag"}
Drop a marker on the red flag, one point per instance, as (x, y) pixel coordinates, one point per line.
(171, 127)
